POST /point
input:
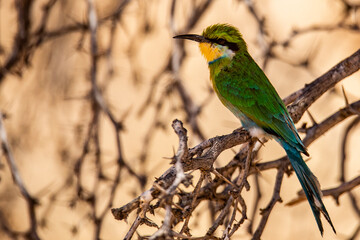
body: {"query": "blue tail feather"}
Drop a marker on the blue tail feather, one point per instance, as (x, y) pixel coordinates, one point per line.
(309, 183)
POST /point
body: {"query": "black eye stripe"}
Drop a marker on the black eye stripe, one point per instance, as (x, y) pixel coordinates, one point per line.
(221, 41)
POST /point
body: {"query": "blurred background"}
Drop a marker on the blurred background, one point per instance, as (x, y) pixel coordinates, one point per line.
(78, 163)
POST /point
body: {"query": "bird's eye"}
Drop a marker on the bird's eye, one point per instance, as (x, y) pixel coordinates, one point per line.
(221, 41)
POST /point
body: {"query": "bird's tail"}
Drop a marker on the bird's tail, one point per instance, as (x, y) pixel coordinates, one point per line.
(309, 183)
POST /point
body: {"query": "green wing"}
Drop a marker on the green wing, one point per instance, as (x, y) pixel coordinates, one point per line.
(243, 86)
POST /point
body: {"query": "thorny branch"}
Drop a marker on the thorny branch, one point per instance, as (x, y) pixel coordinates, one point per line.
(204, 154)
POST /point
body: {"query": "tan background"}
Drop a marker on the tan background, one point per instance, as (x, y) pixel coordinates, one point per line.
(48, 113)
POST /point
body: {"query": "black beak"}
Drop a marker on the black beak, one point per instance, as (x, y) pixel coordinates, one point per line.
(193, 37)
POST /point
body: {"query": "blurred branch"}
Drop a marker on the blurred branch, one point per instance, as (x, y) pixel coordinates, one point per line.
(173, 64)
(351, 127)
(347, 22)
(39, 33)
(26, 42)
(99, 105)
(76, 27)
(31, 202)
(21, 38)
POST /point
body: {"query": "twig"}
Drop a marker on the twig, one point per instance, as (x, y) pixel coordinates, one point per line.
(145, 201)
(275, 198)
(185, 227)
(256, 203)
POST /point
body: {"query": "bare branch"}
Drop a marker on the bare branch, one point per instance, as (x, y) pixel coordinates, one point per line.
(317, 88)
(275, 198)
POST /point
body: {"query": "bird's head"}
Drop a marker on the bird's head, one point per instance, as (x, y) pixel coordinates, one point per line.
(218, 41)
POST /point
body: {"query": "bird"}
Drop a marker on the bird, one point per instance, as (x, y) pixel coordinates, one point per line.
(245, 90)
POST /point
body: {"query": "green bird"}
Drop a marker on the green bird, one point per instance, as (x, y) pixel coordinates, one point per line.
(245, 90)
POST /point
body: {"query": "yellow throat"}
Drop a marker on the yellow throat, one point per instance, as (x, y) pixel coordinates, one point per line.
(214, 52)
(210, 51)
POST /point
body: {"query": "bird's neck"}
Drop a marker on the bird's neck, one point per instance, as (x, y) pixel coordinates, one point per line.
(216, 66)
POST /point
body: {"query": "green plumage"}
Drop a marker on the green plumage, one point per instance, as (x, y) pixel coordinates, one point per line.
(245, 90)
(243, 86)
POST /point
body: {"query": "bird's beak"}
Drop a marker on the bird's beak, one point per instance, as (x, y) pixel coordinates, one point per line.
(193, 37)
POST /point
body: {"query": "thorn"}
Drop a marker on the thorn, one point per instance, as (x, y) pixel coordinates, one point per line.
(312, 118)
(254, 165)
(347, 102)
(238, 130)
(303, 128)
(304, 63)
(208, 177)
(307, 159)
(286, 43)
(219, 175)
(233, 150)
(261, 142)
(345, 97)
